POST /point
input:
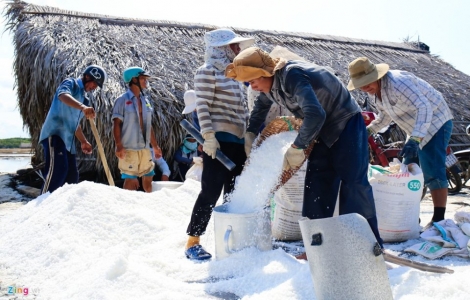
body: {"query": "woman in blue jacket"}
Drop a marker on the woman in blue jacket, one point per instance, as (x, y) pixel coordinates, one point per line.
(184, 157)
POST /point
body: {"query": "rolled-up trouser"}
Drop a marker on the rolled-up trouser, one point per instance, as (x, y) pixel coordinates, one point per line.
(346, 162)
(432, 158)
(215, 177)
(60, 165)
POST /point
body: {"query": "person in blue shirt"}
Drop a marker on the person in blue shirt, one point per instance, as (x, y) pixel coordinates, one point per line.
(133, 132)
(162, 170)
(184, 157)
(62, 125)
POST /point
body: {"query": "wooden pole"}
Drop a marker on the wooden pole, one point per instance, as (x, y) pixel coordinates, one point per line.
(416, 265)
(101, 151)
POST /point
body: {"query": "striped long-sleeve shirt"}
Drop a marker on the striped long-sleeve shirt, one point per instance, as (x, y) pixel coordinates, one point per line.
(412, 103)
(220, 102)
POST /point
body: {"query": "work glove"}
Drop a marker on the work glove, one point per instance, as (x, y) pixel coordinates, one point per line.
(249, 138)
(293, 159)
(211, 144)
(411, 147)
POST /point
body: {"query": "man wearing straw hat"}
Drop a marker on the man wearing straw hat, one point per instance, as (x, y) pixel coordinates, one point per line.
(418, 109)
(222, 115)
(330, 116)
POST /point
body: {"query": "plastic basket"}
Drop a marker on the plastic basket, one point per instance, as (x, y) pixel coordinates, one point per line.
(278, 125)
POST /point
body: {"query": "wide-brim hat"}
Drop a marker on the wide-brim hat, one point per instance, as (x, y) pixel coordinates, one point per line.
(224, 37)
(362, 72)
(189, 101)
(253, 63)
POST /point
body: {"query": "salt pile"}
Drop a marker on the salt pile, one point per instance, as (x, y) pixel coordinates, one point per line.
(261, 174)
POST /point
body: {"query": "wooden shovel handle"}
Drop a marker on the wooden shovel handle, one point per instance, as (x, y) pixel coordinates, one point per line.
(101, 151)
(416, 265)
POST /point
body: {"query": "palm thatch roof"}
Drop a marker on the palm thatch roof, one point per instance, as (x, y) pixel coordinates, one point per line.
(52, 44)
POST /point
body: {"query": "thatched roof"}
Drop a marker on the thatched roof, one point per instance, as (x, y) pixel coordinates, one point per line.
(52, 44)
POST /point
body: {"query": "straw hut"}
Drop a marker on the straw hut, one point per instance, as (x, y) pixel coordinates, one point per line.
(52, 44)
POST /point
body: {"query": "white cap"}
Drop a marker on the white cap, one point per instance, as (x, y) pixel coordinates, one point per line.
(189, 101)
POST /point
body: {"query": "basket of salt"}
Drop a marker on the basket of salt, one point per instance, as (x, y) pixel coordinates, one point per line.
(278, 125)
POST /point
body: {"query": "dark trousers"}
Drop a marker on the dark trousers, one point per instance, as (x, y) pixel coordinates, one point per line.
(215, 177)
(342, 167)
(61, 165)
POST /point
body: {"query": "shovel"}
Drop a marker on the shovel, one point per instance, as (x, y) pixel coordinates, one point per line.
(219, 155)
(101, 151)
(415, 264)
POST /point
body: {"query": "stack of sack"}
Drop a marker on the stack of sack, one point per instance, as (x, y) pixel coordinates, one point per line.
(445, 238)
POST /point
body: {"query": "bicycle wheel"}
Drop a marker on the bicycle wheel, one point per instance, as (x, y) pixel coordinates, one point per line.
(464, 166)
(454, 180)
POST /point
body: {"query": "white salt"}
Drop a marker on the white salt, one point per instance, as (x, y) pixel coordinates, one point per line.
(261, 174)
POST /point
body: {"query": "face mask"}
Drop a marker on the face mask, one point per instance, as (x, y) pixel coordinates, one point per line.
(190, 146)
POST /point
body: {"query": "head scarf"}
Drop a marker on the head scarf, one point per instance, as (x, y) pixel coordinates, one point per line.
(188, 146)
(219, 57)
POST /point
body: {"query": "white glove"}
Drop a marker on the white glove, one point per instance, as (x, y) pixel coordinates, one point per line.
(249, 138)
(293, 159)
(211, 144)
(197, 160)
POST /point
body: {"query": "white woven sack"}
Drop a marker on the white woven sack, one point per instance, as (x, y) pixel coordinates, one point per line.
(397, 197)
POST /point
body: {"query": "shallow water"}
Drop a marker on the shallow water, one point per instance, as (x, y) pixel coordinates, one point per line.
(10, 163)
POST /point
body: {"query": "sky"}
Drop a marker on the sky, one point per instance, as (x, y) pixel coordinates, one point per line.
(129, 245)
(439, 24)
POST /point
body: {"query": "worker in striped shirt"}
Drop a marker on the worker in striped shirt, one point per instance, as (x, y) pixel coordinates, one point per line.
(223, 115)
(418, 109)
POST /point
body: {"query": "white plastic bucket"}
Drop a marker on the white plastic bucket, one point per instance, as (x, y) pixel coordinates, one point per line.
(233, 232)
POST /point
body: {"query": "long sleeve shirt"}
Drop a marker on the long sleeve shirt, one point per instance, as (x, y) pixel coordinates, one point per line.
(220, 102)
(312, 93)
(412, 103)
(163, 166)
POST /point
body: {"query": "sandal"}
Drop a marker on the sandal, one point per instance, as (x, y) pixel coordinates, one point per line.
(197, 253)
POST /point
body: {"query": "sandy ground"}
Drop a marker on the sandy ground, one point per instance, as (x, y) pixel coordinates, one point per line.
(15, 151)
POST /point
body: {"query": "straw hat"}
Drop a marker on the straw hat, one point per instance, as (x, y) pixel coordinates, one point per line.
(253, 63)
(363, 72)
(224, 37)
(189, 101)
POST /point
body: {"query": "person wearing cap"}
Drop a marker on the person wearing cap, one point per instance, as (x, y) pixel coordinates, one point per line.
(222, 115)
(162, 170)
(331, 118)
(185, 156)
(190, 107)
(69, 105)
(418, 109)
(133, 132)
